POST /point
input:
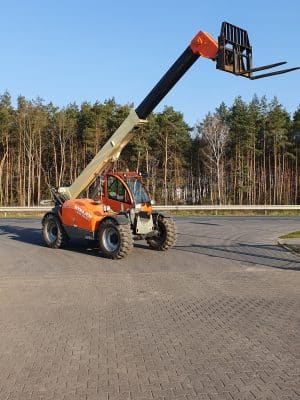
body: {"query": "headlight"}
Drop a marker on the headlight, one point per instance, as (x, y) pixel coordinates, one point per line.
(138, 207)
(106, 208)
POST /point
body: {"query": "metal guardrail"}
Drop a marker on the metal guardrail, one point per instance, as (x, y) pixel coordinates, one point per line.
(25, 209)
(227, 207)
(216, 208)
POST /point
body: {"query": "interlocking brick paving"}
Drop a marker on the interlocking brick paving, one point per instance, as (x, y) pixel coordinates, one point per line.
(217, 317)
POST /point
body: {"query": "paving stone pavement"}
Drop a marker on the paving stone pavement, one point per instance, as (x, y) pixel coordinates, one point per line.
(217, 317)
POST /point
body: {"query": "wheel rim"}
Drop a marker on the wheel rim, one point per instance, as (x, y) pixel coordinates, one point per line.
(111, 239)
(52, 231)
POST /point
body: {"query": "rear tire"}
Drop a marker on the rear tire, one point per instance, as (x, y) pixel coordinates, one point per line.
(166, 237)
(53, 232)
(115, 240)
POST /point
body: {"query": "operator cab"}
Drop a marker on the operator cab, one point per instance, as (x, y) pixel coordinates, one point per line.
(123, 191)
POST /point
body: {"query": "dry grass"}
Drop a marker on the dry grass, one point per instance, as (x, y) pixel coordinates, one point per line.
(292, 235)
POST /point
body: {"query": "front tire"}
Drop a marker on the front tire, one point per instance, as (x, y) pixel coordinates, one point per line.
(53, 232)
(166, 234)
(115, 240)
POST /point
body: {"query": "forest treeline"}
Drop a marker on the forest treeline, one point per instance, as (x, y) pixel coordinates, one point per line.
(245, 153)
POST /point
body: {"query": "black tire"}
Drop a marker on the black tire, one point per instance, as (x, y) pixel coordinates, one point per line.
(115, 240)
(53, 232)
(166, 237)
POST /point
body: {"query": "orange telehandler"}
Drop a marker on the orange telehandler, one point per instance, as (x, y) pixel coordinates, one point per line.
(120, 209)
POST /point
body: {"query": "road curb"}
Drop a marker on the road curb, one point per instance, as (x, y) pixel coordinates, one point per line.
(290, 244)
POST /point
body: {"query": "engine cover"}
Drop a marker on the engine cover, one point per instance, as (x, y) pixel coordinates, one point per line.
(85, 214)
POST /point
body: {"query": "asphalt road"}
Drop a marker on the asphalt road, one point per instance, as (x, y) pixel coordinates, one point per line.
(216, 317)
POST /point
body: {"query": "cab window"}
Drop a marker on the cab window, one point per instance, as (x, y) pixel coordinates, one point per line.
(116, 190)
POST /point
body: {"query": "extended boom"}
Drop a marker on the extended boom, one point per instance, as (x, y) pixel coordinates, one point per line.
(120, 209)
(202, 45)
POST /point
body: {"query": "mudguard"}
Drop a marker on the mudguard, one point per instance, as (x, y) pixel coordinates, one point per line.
(163, 214)
(120, 219)
(55, 211)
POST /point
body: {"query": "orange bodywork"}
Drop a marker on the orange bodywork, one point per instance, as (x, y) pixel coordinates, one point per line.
(119, 206)
(83, 214)
(204, 45)
(87, 214)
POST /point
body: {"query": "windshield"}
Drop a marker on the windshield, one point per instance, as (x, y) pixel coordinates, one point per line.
(138, 191)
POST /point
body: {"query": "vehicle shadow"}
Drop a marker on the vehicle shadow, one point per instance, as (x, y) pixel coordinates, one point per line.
(250, 254)
(33, 236)
(22, 234)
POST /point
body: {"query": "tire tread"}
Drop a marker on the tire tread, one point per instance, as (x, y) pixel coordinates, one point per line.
(170, 239)
(62, 238)
(126, 240)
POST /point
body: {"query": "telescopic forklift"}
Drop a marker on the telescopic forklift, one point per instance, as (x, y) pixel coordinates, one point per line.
(120, 209)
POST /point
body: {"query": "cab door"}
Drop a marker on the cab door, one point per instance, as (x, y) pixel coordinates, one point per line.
(117, 195)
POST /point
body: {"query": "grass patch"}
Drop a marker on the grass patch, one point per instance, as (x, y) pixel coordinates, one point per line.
(232, 213)
(21, 215)
(292, 235)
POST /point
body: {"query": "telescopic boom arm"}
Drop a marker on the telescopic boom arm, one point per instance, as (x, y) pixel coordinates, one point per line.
(232, 53)
(202, 45)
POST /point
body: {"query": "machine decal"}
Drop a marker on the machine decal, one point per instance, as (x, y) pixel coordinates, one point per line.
(83, 213)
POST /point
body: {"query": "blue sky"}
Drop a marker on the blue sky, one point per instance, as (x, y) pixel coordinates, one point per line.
(74, 51)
